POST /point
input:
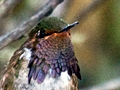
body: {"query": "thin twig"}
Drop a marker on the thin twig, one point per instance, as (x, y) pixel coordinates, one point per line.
(109, 85)
(7, 6)
(27, 25)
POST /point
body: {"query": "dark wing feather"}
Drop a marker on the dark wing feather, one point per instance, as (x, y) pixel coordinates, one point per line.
(75, 68)
(30, 74)
(40, 77)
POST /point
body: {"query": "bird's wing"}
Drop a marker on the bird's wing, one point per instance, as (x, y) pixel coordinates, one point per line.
(74, 67)
(8, 76)
(38, 68)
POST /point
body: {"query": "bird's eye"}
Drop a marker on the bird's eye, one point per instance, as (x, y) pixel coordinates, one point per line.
(41, 34)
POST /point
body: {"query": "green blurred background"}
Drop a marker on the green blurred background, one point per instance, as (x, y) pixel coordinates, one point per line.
(96, 40)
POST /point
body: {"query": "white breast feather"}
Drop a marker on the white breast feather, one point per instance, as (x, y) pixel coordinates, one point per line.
(27, 54)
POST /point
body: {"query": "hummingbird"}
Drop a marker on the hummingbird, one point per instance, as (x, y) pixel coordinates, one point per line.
(46, 61)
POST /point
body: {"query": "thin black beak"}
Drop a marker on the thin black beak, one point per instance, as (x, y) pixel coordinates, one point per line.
(69, 26)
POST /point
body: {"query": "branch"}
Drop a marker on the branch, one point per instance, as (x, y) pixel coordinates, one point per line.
(44, 12)
(7, 6)
(109, 85)
(27, 25)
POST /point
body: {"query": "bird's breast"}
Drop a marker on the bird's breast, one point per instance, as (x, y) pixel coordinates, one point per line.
(63, 82)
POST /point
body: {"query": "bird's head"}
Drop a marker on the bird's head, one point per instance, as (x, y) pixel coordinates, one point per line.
(50, 26)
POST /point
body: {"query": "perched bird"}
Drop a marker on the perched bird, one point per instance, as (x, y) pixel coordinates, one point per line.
(46, 61)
